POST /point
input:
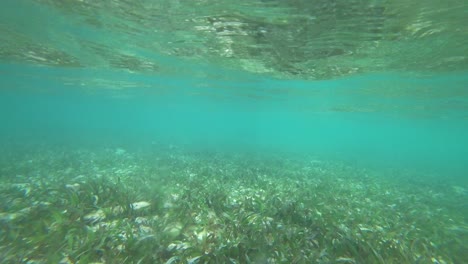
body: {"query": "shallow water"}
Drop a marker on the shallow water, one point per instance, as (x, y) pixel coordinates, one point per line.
(210, 133)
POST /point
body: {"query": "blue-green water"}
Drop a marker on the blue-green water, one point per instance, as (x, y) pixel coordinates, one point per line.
(349, 119)
(221, 132)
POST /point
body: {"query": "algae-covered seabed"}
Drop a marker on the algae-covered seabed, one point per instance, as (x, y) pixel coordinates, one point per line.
(169, 205)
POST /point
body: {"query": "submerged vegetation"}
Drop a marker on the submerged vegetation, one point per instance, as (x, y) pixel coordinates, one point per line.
(169, 206)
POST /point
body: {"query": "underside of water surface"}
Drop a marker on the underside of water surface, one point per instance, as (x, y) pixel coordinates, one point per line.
(204, 131)
(303, 39)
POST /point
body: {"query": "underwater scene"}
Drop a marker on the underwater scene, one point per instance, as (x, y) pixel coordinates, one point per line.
(248, 131)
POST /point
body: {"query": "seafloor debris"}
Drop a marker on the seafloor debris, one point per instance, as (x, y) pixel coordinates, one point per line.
(173, 207)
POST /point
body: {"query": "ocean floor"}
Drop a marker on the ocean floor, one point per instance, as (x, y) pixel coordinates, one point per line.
(167, 205)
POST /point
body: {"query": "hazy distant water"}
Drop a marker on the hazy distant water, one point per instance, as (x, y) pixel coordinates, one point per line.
(355, 119)
(380, 83)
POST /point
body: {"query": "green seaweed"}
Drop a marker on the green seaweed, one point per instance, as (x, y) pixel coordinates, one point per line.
(189, 208)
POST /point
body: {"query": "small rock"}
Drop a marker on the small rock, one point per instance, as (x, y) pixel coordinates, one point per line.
(95, 216)
(75, 187)
(66, 260)
(140, 205)
(173, 230)
(120, 151)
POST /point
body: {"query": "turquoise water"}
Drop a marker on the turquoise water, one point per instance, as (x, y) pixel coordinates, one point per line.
(221, 132)
(349, 119)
